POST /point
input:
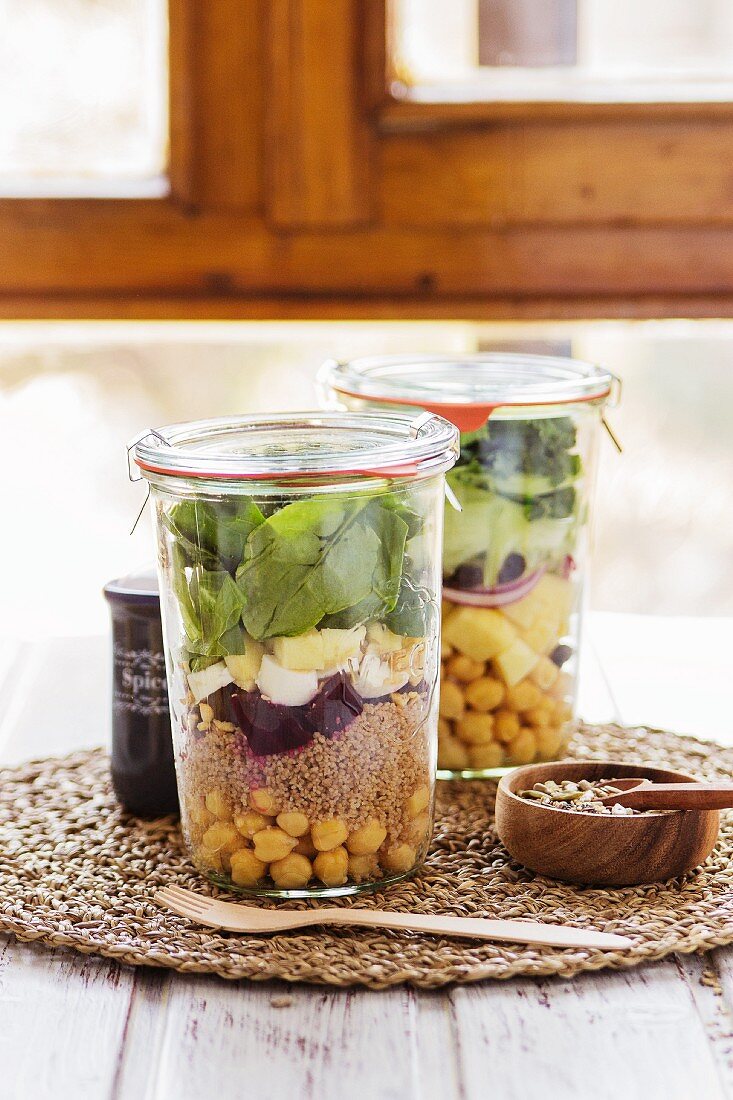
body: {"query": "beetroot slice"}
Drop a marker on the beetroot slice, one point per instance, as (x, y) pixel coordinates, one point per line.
(272, 728)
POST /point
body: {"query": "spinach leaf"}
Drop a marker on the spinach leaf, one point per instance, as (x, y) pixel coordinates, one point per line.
(211, 608)
(409, 617)
(213, 535)
(337, 561)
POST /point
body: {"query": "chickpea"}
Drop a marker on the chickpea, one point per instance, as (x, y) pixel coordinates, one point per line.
(332, 866)
(200, 815)
(444, 728)
(306, 847)
(452, 704)
(246, 868)
(452, 754)
(523, 749)
(294, 824)
(417, 802)
(363, 868)
(264, 802)
(209, 859)
(250, 823)
(476, 729)
(273, 844)
(465, 669)
(486, 756)
(399, 859)
(416, 832)
(563, 713)
(293, 872)
(506, 725)
(366, 839)
(221, 836)
(206, 712)
(328, 834)
(523, 696)
(217, 804)
(485, 694)
(549, 742)
(539, 716)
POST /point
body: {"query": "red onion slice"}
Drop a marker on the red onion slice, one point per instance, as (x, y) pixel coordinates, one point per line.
(494, 597)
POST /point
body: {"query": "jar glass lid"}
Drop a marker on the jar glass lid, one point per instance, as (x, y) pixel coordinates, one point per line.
(486, 380)
(299, 445)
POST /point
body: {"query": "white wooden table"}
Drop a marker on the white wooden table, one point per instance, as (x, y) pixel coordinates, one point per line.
(81, 1027)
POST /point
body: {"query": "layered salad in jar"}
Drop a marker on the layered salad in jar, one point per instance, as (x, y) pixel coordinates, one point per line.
(303, 684)
(511, 593)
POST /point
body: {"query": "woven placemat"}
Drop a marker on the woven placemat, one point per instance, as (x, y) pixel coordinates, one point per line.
(76, 872)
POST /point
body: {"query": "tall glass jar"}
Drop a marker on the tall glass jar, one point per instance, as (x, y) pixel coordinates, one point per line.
(300, 585)
(515, 543)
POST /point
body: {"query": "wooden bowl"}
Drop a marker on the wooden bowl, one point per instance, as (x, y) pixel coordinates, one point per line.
(599, 849)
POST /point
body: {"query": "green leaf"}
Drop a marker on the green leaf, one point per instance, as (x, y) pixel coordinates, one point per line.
(213, 535)
(337, 560)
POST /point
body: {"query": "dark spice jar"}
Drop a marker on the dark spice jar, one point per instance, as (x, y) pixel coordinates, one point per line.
(143, 770)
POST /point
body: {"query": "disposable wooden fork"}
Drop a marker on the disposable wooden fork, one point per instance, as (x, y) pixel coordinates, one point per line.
(234, 917)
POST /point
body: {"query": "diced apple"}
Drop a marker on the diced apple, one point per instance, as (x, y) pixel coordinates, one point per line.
(244, 667)
(542, 635)
(383, 638)
(478, 632)
(208, 680)
(340, 646)
(516, 662)
(286, 686)
(301, 654)
(523, 612)
(555, 595)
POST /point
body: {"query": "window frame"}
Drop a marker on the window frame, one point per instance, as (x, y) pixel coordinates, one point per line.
(312, 188)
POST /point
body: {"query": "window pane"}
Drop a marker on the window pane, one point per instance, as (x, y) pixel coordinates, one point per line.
(564, 47)
(663, 534)
(83, 96)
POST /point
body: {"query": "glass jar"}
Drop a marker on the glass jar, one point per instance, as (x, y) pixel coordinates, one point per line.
(300, 584)
(515, 541)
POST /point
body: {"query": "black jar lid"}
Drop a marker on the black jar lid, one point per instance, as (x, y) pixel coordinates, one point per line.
(134, 588)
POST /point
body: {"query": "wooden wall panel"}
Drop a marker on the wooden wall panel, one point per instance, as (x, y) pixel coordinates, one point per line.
(637, 173)
(319, 137)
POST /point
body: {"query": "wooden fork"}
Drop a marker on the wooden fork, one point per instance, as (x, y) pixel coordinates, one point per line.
(234, 917)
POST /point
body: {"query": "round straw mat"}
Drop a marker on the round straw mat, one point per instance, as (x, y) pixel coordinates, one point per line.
(76, 872)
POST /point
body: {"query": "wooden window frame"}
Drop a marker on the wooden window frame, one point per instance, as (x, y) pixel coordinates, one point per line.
(304, 185)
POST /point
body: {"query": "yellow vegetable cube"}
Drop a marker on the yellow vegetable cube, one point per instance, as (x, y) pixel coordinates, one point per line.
(478, 632)
(328, 834)
(516, 662)
(332, 866)
(542, 635)
(367, 839)
(545, 673)
(555, 594)
(246, 868)
(523, 612)
(301, 654)
(244, 667)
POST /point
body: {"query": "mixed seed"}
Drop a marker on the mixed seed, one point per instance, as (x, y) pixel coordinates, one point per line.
(581, 797)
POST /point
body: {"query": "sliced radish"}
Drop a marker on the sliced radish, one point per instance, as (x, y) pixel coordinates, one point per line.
(494, 597)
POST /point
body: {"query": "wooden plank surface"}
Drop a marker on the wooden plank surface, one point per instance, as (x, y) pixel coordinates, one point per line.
(72, 1026)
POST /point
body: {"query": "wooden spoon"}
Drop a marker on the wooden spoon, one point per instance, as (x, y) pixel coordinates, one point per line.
(640, 794)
